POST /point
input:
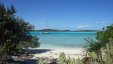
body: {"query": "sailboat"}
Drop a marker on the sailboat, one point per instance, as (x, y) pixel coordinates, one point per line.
(45, 32)
(46, 27)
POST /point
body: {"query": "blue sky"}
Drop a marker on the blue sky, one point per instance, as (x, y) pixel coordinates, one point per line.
(65, 14)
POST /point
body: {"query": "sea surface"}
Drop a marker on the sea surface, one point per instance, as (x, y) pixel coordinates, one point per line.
(63, 39)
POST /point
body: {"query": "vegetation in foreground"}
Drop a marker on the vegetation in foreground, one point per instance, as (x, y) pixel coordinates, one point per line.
(14, 34)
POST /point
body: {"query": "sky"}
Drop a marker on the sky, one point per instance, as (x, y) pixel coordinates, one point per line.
(64, 14)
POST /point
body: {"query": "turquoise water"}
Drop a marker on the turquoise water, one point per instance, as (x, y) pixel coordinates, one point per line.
(63, 39)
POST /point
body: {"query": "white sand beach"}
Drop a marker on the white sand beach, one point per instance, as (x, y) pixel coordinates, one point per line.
(54, 53)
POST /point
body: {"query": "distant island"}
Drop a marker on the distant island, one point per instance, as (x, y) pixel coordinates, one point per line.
(86, 30)
(55, 30)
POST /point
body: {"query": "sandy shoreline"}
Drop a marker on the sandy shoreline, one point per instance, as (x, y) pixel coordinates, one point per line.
(54, 53)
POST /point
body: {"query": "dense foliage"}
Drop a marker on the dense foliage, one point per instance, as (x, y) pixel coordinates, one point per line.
(102, 47)
(14, 32)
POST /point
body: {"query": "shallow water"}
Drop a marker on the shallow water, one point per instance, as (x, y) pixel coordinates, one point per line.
(63, 39)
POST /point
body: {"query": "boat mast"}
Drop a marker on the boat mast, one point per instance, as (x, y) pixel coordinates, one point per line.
(46, 25)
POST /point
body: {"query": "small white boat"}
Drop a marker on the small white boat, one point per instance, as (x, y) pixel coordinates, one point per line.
(45, 32)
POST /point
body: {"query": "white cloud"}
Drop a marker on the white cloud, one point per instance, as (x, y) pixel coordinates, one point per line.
(100, 22)
(83, 26)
